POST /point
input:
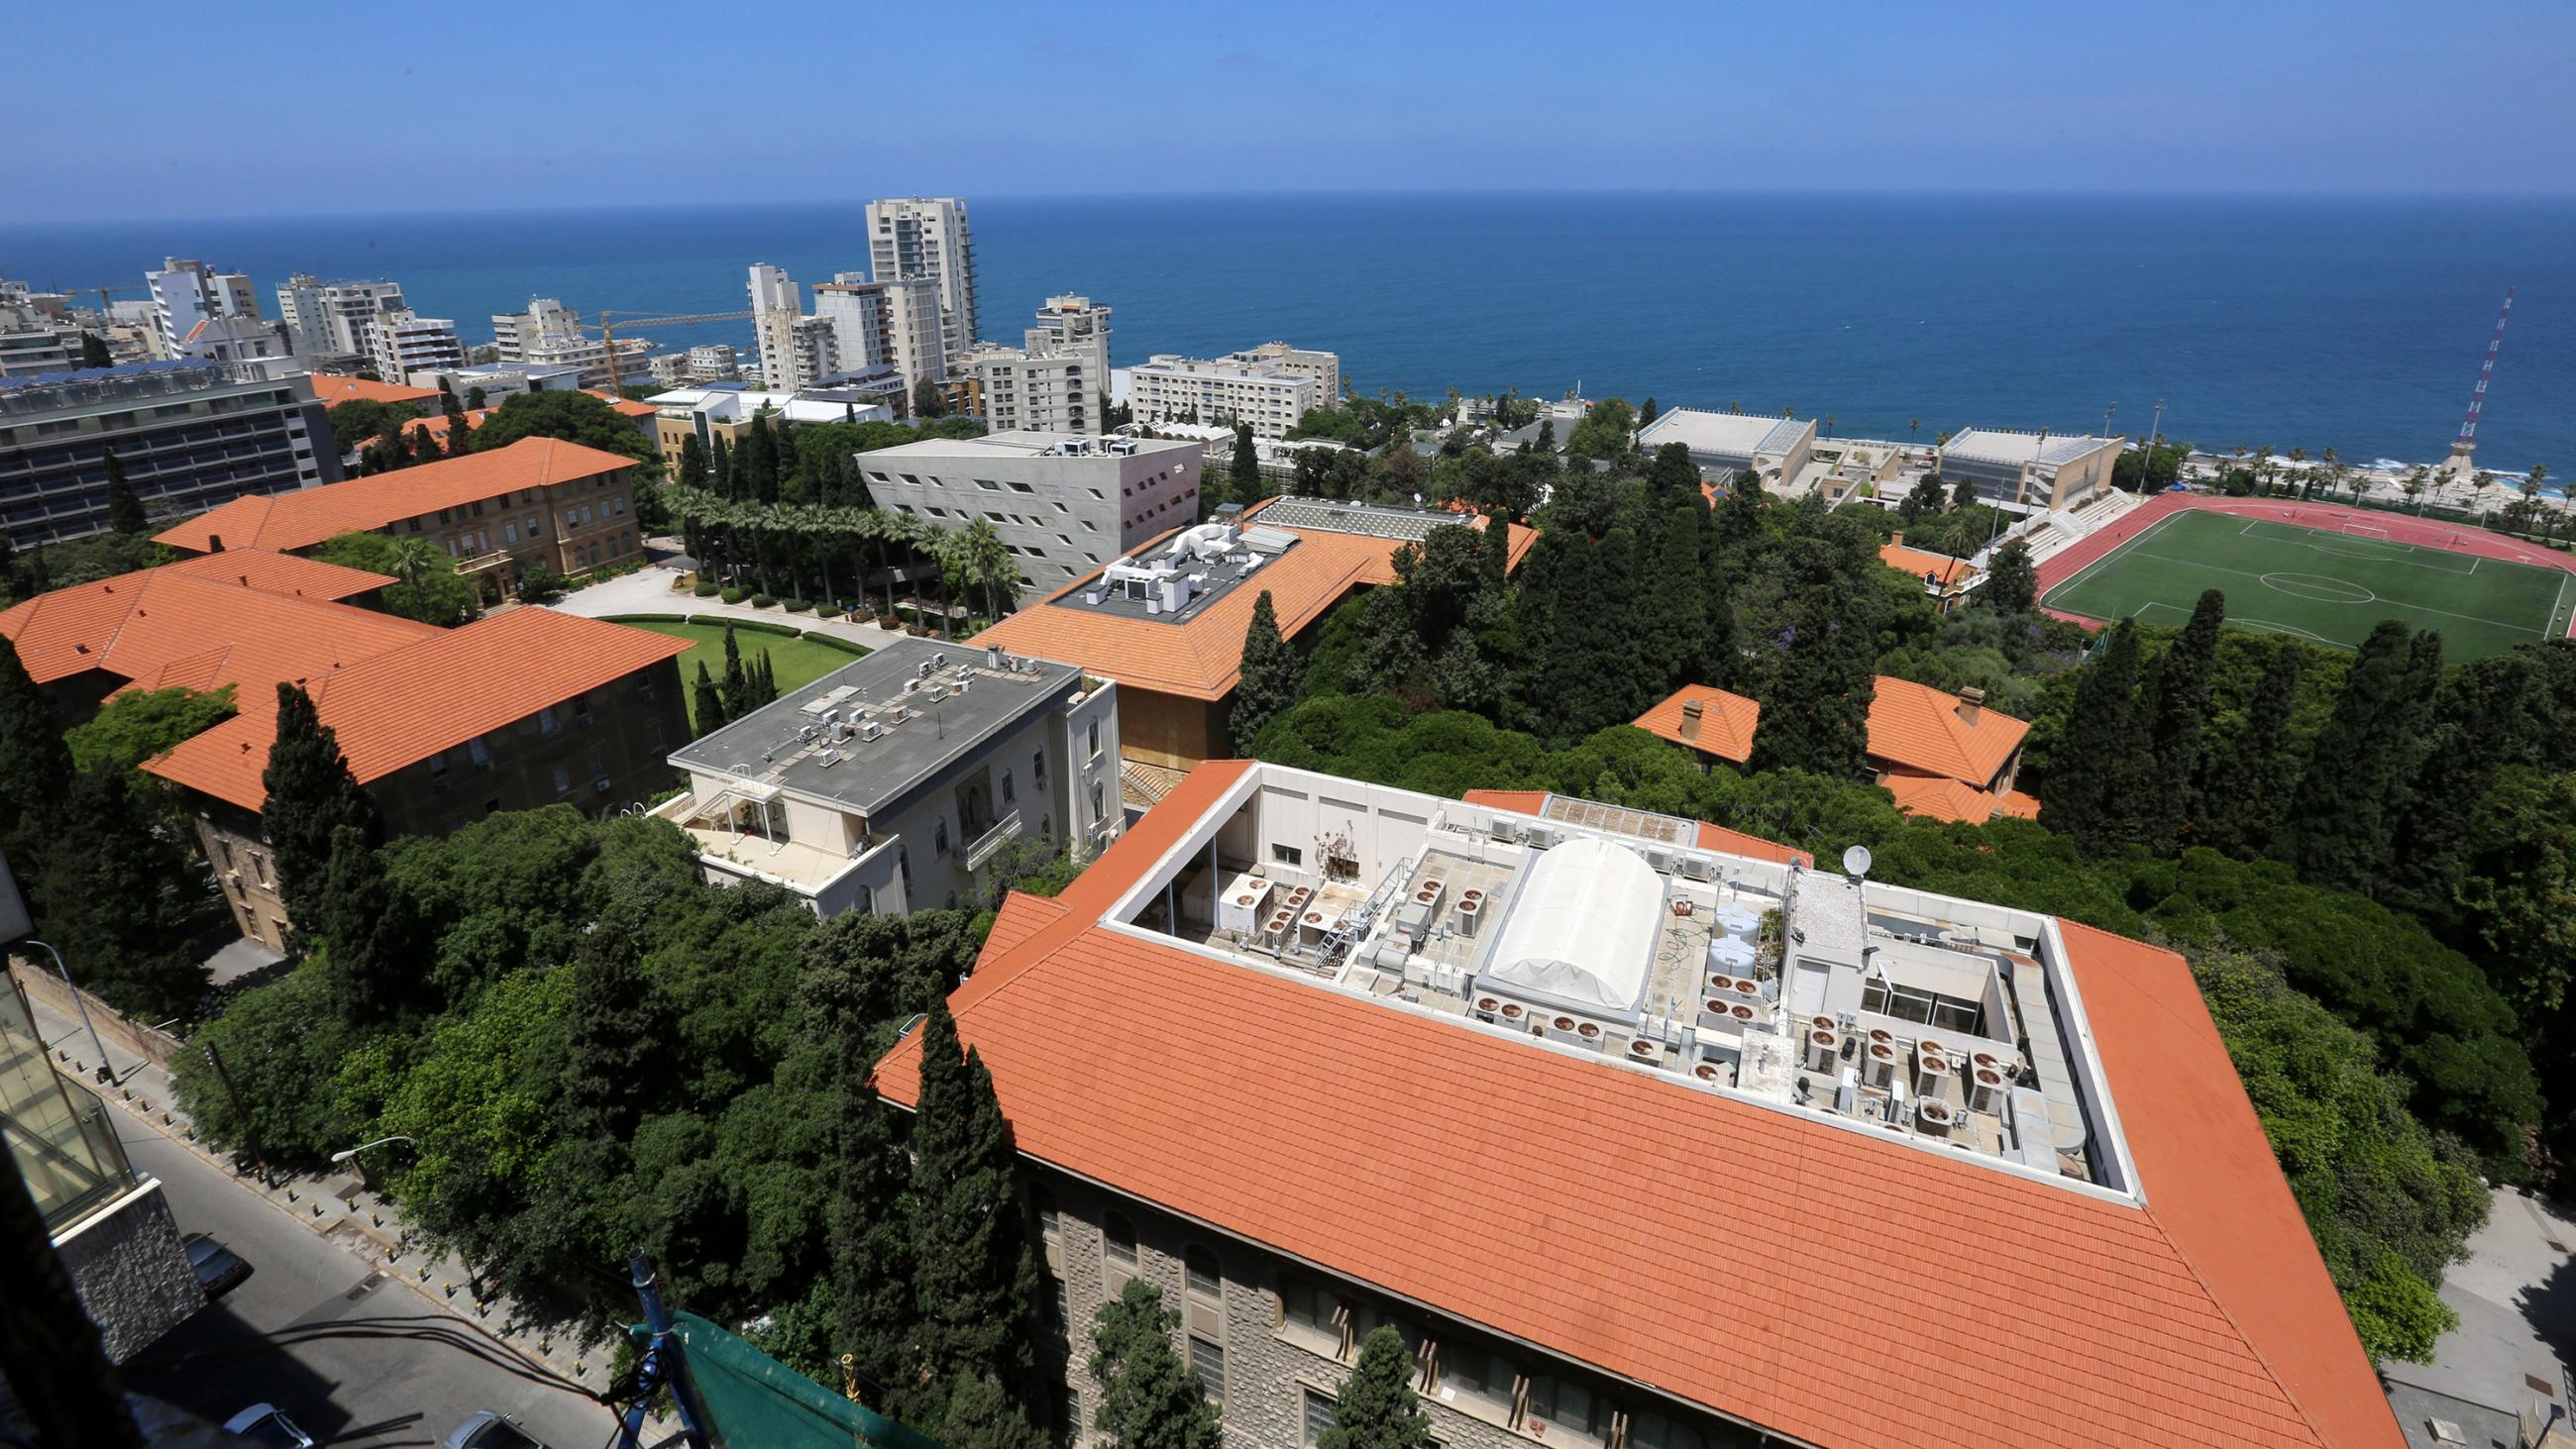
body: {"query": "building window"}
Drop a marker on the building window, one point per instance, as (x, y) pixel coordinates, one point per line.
(939, 839)
(1037, 767)
(1319, 1416)
(563, 779)
(546, 722)
(1072, 1409)
(1288, 855)
(1042, 1205)
(1205, 1280)
(1009, 796)
(1207, 1362)
(1118, 1241)
(1091, 740)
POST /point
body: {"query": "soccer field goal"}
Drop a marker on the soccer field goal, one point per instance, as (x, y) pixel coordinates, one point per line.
(2366, 530)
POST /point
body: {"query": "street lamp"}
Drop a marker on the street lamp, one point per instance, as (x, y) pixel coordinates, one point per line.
(363, 1146)
(105, 1072)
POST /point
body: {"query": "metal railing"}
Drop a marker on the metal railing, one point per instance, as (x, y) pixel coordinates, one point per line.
(991, 841)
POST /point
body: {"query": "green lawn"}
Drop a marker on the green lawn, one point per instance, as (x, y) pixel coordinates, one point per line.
(2324, 586)
(796, 661)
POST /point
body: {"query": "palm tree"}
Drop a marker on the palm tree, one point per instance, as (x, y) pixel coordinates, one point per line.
(414, 559)
(1829, 425)
(1914, 430)
(2417, 479)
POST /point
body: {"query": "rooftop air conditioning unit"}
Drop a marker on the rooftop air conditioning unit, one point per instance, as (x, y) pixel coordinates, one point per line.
(1931, 1069)
(1935, 1116)
(1505, 829)
(1696, 867)
(939, 659)
(1647, 1050)
(1514, 1015)
(1093, 597)
(923, 669)
(1659, 861)
(1824, 1047)
(1986, 1088)
(993, 656)
(1487, 1007)
(1878, 1063)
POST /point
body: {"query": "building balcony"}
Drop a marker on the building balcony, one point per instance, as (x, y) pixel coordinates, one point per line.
(729, 850)
(987, 845)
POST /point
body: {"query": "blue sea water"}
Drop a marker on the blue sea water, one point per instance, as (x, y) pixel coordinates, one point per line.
(2353, 323)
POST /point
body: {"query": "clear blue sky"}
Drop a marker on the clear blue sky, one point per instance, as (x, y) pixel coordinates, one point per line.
(175, 110)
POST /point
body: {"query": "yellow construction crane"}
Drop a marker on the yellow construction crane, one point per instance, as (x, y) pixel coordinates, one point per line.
(607, 329)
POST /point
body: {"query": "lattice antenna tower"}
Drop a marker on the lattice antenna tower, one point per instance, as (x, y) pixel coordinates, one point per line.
(2467, 442)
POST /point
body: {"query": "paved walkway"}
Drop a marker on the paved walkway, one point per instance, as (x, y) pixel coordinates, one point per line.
(2516, 1297)
(334, 1206)
(651, 590)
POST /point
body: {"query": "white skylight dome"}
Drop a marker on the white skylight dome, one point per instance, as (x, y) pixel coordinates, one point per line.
(1583, 930)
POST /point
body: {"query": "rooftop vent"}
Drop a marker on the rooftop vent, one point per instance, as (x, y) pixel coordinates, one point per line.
(1936, 1116)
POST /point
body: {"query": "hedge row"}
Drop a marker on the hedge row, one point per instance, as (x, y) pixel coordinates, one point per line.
(748, 626)
(835, 641)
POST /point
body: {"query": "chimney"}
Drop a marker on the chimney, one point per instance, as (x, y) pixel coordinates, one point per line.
(1972, 702)
(1896, 539)
(1691, 711)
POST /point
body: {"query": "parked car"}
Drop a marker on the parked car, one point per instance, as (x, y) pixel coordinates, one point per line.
(488, 1430)
(267, 1424)
(219, 1269)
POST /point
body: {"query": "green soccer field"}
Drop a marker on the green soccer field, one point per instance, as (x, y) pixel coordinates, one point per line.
(2320, 585)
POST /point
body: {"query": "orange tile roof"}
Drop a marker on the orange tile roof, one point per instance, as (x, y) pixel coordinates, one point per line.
(307, 516)
(2051, 1316)
(1711, 837)
(241, 615)
(402, 706)
(625, 406)
(436, 424)
(333, 388)
(1203, 658)
(1938, 797)
(1726, 722)
(1917, 728)
(1919, 562)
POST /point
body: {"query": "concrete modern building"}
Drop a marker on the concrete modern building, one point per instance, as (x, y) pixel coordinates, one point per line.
(1324, 367)
(2028, 472)
(1018, 390)
(108, 1223)
(330, 321)
(891, 784)
(1064, 503)
(711, 362)
(893, 323)
(1726, 444)
(537, 501)
(1275, 457)
(1638, 1139)
(404, 344)
(190, 435)
(200, 312)
(1261, 388)
(1067, 325)
(794, 349)
(1166, 620)
(928, 237)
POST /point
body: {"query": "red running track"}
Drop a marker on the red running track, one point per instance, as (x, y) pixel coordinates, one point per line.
(2428, 532)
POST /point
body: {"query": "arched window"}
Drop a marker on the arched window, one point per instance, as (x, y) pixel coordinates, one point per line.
(1118, 1241)
(1205, 1280)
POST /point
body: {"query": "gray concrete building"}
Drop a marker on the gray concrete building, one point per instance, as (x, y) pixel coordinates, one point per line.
(1726, 444)
(893, 783)
(1065, 503)
(2028, 472)
(189, 434)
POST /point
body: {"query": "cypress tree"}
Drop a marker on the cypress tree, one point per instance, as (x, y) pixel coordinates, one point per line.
(758, 464)
(693, 463)
(1645, 415)
(1672, 479)
(118, 898)
(2348, 801)
(2087, 768)
(2490, 715)
(311, 794)
(720, 470)
(35, 765)
(707, 703)
(1964, 494)
(94, 351)
(1270, 680)
(125, 515)
(1676, 616)
(1245, 476)
(974, 1273)
(1815, 715)
(1148, 1399)
(1547, 435)
(370, 960)
(612, 1032)
(2164, 801)
(737, 680)
(1377, 1408)
(473, 398)
(2246, 788)
(871, 1242)
(2012, 580)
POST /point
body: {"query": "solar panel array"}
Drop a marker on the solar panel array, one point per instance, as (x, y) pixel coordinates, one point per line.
(1326, 516)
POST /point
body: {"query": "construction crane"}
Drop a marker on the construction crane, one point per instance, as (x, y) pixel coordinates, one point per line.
(103, 292)
(2466, 443)
(607, 327)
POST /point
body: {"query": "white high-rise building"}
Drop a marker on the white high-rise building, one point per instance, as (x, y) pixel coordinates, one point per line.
(200, 312)
(893, 323)
(331, 319)
(1268, 387)
(402, 343)
(792, 354)
(1042, 392)
(928, 237)
(1069, 325)
(549, 334)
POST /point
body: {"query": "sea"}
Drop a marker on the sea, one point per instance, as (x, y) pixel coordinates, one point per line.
(2356, 323)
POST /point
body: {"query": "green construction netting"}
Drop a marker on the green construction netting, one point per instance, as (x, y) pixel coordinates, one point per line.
(753, 1401)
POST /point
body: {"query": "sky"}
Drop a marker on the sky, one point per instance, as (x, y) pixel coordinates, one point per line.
(310, 109)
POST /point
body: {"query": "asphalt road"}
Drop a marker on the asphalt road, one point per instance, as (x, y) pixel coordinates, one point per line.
(353, 1357)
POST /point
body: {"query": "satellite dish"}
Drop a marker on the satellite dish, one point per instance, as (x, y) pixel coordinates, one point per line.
(1856, 861)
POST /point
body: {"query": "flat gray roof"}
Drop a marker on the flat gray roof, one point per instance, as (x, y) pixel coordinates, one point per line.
(1733, 433)
(922, 730)
(1023, 443)
(1993, 445)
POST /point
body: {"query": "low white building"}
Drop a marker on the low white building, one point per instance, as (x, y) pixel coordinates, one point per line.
(1725, 444)
(893, 783)
(892, 323)
(1041, 392)
(1270, 387)
(2028, 472)
(1064, 503)
(333, 319)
